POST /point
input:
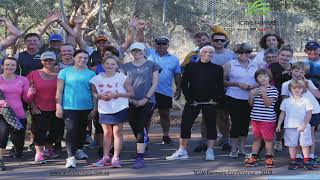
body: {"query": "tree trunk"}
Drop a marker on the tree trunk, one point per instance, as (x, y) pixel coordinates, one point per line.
(109, 22)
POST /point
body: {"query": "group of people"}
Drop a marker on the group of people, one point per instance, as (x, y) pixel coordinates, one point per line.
(69, 89)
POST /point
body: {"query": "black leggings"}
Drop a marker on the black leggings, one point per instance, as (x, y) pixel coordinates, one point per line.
(76, 122)
(44, 128)
(17, 136)
(240, 117)
(189, 115)
(139, 118)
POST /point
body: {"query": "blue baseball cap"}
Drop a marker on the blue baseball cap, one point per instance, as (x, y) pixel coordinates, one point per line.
(55, 37)
(312, 45)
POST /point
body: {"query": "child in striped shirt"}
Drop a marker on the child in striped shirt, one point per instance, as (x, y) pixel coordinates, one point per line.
(263, 117)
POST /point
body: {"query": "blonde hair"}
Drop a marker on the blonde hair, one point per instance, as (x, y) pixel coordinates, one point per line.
(299, 84)
(299, 65)
(110, 57)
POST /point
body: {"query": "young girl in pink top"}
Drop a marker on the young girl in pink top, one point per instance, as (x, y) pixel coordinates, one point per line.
(16, 89)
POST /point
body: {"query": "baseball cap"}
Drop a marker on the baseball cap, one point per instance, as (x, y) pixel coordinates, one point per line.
(162, 39)
(48, 55)
(243, 47)
(101, 38)
(312, 45)
(137, 45)
(55, 37)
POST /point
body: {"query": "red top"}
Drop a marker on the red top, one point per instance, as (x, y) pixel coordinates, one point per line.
(44, 99)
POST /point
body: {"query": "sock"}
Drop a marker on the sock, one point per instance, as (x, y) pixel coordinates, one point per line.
(299, 156)
(293, 159)
(305, 160)
(269, 156)
(140, 155)
(311, 155)
(182, 151)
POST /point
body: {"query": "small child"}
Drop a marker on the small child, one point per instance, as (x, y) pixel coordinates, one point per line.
(112, 90)
(298, 71)
(263, 117)
(296, 112)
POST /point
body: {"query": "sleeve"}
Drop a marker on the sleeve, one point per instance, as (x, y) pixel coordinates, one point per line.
(311, 84)
(187, 59)
(177, 68)
(284, 89)
(30, 76)
(185, 83)
(89, 50)
(122, 68)
(283, 105)
(220, 83)
(309, 105)
(93, 80)
(148, 51)
(156, 67)
(62, 74)
(25, 89)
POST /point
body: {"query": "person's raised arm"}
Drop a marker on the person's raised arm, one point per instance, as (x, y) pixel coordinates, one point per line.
(13, 37)
(141, 26)
(132, 26)
(52, 17)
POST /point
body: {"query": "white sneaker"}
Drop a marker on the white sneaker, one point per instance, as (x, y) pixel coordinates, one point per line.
(80, 154)
(178, 155)
(71, 162)
(210, 155)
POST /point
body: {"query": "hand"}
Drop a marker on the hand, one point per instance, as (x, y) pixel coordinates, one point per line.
(207, 22)
(35, 110)
(263, 90)
(243, 86)
(134, 102)
(133, 22)
(301, 128)
(177, 94)
(141, 25)
(59, 111)
(254, 92)
(53, 16)
(3, 103)
(142, 102)
(278, 129)
(4, 20)
(31, 91)
(92, 114)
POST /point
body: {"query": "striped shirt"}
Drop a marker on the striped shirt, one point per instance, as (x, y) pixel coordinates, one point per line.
(260, 112)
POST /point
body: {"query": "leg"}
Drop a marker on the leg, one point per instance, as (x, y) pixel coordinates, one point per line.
(235, 124)
(209, 114)
(118, 139)
(107, 138)
(4, 134)
(190, 113)
(256, 145)
(165, 121)
(18, 136)
(73, 126)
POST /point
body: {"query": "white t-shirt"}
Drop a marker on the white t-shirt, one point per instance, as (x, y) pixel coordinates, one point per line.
(114, 84)
(295, 111)
(316, 107)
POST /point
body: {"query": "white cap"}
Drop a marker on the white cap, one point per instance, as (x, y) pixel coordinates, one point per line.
(137, 45)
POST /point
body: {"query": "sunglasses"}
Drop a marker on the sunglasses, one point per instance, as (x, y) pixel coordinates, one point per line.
(47, 60)
(219, 40)
(159, 44)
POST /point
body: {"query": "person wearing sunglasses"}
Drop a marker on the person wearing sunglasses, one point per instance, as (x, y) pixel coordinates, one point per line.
(239, 80)
(170, 71)
(270, 56)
